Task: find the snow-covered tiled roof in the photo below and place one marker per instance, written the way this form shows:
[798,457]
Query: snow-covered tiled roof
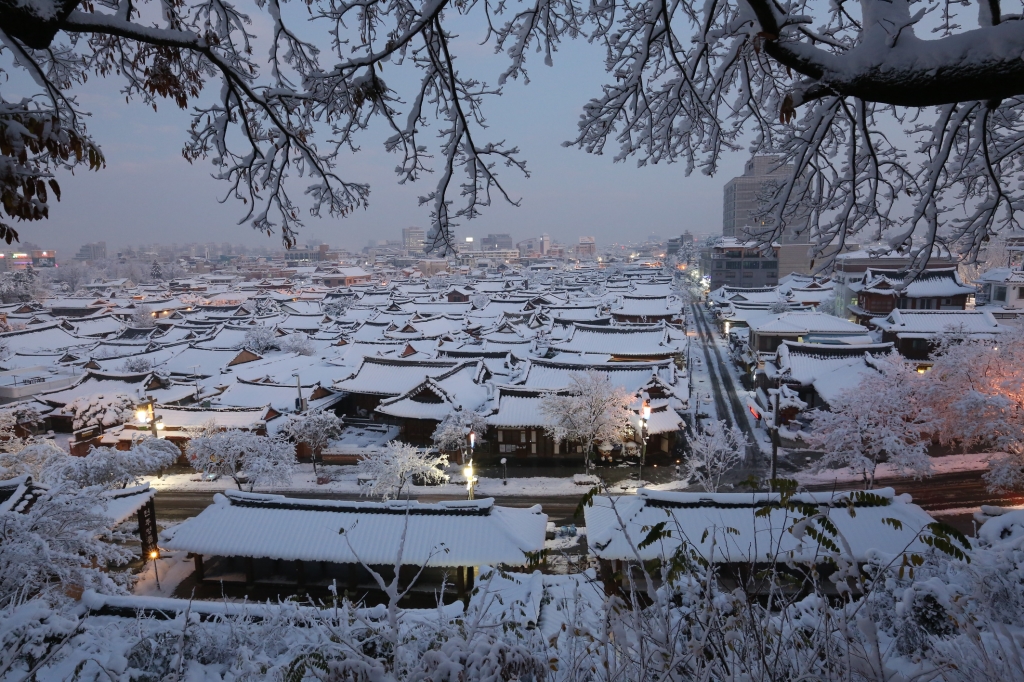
[932,322]
[391,376]
[443,534]
[622,341]
[736,534]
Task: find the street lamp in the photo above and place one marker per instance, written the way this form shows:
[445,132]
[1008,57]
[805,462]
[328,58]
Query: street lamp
[504,471]
[146,415]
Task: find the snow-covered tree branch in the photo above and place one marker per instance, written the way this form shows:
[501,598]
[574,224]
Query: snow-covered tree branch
[825,88]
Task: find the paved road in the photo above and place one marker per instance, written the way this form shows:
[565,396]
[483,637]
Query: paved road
[727,399]
[174,506]
[943,492]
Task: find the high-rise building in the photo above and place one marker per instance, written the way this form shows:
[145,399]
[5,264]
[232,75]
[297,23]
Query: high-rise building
[741,194]
[94,251]
[587,248]
[741,203]
[497,242]
[413,239]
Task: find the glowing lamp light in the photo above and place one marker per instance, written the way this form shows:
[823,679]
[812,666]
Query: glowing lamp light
[472,439]
[141,415]
[468,473]
[154,555]
[646,411]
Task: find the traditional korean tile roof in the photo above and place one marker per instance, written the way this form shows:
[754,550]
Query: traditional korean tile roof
[443,534]
[724,528]
[931,323]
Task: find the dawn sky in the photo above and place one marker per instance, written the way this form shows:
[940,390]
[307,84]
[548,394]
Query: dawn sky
[149,193]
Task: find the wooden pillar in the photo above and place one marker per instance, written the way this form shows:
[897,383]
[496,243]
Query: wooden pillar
[470,575]
[250,570]
[350,574]
[199,567]
[300,572]
[460,582]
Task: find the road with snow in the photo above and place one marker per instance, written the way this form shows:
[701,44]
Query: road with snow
[728,403]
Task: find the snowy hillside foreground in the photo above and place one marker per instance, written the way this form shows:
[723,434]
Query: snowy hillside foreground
[926,616]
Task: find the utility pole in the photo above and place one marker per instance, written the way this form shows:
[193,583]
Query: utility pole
[774,433]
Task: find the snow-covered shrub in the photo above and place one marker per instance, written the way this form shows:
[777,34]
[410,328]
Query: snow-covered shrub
[36,459]
[113,468]
[397,465]
[99,409]
[713,452]
[243,456]
[260,339]
[136,365]
[299,343]
[479,301]
[56,543]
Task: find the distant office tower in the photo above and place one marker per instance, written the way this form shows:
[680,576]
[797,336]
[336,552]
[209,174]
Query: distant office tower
[741,203]
[412,239]
[741,193]
[587,248]
[94,251]
[497,242]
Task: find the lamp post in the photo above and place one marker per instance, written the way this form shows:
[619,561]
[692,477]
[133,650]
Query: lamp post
[774,432]
[504,471]
[153,556]
[645,415]
[298,387]
[468,460]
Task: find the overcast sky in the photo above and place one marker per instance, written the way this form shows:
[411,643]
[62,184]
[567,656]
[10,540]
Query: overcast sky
[149,193]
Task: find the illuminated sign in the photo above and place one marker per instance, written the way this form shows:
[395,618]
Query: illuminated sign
[753,412]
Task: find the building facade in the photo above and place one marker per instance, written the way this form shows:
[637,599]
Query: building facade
[94,251]
[497,242]
[413,239]
[739,264]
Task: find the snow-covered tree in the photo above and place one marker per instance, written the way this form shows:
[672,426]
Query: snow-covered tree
[260,338]
[101,409]
[58,543]
[156,273]
[590,409]
[713,452]
[143,317]
[298,343]
[880,420]
[479,301]
[243,456]
[450,434]
[315,429]
[823,88]
[976,393]
[393,467]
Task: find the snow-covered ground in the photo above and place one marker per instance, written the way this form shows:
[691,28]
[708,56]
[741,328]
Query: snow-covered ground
[948,464]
